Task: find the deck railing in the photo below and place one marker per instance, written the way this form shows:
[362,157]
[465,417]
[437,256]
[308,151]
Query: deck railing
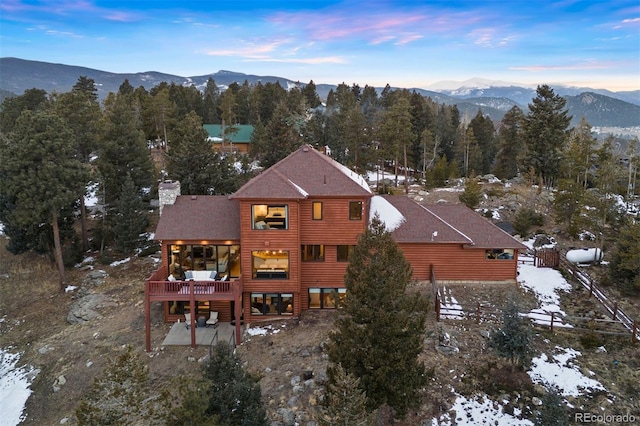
[159,287]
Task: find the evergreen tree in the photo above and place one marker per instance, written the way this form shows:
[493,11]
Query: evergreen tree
[211,102]
[233,395]
[567,204]
[81,112]
[513,339]
[129,218]
[194,163]
[122,149]
[311,96]
[41,175]
[484,134]
[472,193]
[119,396]
[379,337]
[624,266]
[281,136]
[510,144]
[345,402]
[545,134]
[12,107]
[552,412]
[395,133]
[578,157]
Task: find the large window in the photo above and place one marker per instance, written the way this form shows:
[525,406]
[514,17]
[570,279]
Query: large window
[503,254]
[316,210]
[224,259]
[326,298]
[355,210]
[271,304]
[344,252]
[270,264]
[267,216]
[312,252]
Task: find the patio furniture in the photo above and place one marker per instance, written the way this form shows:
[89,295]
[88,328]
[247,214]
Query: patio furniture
[213,319]
[202,322]
[187,320]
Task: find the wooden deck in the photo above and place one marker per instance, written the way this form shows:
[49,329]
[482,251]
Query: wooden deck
[158,289]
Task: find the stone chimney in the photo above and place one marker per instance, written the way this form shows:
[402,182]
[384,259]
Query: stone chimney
[168,191]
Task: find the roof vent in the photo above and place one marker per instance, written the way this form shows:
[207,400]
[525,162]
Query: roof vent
[305,148]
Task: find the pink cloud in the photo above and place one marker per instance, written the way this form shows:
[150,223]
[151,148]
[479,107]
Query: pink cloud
[591,65]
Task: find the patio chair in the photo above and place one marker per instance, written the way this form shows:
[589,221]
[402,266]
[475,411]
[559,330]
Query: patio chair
[187,320]
[213,319]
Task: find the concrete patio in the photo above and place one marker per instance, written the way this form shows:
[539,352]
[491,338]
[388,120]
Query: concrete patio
[180,336]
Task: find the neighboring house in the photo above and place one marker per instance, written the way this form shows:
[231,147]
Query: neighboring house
[238,141]
[280,244]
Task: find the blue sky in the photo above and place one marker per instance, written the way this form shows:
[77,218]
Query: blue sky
[404,43]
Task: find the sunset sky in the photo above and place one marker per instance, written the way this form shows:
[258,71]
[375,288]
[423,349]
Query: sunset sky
[404,43]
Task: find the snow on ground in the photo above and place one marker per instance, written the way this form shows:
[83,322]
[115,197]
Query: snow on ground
[562,372]
[449,303]
[14,388]
[263,331]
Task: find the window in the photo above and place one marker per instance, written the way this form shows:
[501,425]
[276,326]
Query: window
[224,259]
[312,253]
[499,254]
[326,298]
[266,216]
[271,304]
[344,252]
[316,210]
[355,210]
[270,264]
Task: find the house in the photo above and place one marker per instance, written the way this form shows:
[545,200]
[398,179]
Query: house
[280,245]
[235,141]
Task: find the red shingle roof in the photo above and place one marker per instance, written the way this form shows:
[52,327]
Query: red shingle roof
[305,172]
[440,223]
[200,217]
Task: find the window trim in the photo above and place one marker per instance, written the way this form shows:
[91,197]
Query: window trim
[265,307]
[317,252]
[352,210]
[265,222]
[350,248]
[322,291]
[499,254]
[275,273]
[314,211]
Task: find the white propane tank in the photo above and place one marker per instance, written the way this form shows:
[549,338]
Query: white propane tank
[585,255]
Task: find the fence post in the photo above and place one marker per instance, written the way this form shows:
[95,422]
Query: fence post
[437,307]
[477,312]
[615,310]
[552,317]
[634,332]
[590,287]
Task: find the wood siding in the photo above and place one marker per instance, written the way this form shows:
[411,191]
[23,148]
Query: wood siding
[335,227]
[453,262]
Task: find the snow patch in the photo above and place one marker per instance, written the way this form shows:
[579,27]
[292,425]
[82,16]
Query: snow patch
[389,215]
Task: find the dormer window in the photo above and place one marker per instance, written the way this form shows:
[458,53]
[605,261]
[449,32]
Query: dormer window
[268,216]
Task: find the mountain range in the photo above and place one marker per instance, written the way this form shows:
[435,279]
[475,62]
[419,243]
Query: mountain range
[601,108]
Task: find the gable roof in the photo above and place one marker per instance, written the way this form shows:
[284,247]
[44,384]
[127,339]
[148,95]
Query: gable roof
[243,135]
[447,223]
[200,217]
[305,173]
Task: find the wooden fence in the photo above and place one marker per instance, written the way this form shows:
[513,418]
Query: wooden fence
[619,323]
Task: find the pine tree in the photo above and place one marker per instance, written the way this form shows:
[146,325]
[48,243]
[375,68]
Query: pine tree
[472,193]
[379,338]
[567,204]
[41,175]
[510,144]
[119,396]
[345,403]
[624,266]
[545,134]
[129,218]
[233,395]
[552,412]
[513,339]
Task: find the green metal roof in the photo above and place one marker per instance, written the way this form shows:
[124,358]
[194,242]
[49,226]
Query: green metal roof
[243,135]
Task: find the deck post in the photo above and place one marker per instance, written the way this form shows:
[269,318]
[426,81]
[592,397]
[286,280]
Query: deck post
[192,303]
[237,314]
[147,317]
